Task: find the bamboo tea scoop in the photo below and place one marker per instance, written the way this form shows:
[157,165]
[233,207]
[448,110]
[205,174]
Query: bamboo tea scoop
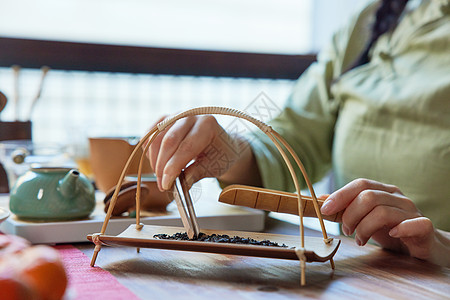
[272,200]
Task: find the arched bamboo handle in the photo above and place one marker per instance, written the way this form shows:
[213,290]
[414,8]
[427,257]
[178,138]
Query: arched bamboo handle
[272,200]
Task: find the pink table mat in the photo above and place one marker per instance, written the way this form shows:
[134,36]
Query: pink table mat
[86,282]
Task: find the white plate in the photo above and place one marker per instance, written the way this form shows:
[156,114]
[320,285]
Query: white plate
[4,214]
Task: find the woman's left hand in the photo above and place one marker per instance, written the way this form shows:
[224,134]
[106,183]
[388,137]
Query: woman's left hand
[381,212]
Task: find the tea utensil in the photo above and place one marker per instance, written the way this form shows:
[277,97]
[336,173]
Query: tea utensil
[184,201]
[273,200]
[138,235]
[16,72]
[44,70]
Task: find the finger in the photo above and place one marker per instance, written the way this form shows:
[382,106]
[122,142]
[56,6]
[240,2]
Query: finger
[200,169]
[365,202]
[194,143]
[152,153]
[340,199]
[418,235]
[194,172]
[169,144]
[418,227]
[379,219]
[217,157]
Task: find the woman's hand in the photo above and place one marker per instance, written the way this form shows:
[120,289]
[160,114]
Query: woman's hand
[212,151]
[381,212]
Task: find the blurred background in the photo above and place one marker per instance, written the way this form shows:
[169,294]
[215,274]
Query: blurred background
[80,97]
[96,68]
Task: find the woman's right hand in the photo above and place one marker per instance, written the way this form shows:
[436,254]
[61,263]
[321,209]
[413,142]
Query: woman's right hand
[380,211]
[199,139]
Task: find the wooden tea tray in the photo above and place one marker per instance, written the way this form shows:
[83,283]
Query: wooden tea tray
[143,238]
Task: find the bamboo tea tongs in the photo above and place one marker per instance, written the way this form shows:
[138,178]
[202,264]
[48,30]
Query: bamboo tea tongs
[184,201]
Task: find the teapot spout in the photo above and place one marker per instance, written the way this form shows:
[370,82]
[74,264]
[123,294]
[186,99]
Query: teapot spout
[68,185]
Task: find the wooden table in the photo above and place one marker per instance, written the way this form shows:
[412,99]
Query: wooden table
[368,272]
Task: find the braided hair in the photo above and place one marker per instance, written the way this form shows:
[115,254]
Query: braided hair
[386,19]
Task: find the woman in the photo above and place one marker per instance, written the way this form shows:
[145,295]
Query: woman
[375,105]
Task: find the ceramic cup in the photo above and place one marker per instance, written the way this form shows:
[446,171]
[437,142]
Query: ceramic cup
[108,156]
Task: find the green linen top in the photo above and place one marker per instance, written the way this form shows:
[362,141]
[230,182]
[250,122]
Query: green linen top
[388,120]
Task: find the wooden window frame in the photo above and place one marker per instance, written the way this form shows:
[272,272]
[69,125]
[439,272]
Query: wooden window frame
[31,53]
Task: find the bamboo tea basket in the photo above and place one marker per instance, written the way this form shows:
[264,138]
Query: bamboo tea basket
[304,249]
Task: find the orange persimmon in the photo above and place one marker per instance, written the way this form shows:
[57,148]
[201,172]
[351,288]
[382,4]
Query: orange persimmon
[30,272]
[12,288]
[42,268]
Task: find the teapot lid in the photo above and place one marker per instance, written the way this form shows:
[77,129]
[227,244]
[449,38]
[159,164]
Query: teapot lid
[40,169]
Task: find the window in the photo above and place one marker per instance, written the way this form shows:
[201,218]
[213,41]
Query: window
[271,26]
[267,26]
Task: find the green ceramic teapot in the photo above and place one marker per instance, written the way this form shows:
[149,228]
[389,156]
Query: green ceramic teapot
[52,194]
